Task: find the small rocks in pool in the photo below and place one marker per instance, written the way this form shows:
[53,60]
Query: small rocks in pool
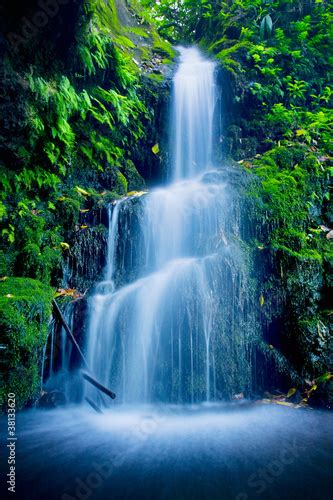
[238,396]
[52,399]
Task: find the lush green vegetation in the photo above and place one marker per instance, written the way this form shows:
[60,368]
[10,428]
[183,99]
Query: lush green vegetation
[25,312]
[69,128]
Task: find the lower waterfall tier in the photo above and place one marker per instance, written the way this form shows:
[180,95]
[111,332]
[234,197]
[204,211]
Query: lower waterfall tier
[182,329]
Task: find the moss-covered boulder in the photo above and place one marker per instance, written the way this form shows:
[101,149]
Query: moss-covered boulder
[134,179]
[25,311]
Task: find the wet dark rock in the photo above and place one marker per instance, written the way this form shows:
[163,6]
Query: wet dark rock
[52,399]
[296,398]
[88,257]
[322,397]
[134,179]
[230,173]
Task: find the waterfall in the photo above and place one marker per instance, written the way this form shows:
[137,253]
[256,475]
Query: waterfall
[193,108]
[58,352]
[172,322]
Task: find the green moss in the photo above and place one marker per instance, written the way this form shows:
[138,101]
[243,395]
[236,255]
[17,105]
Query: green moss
[291,195]
[25,311]
[161,46]
[139,31]
[145,53]
[225,56]
[39,254]
[121,184]
[111,196]
[68,209]
[134,180]
[155,77]
[291,187]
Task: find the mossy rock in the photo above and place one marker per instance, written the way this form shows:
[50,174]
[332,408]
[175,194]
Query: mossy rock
[25,311]
[68,211]
[285,157]
[134,179]
[121,184]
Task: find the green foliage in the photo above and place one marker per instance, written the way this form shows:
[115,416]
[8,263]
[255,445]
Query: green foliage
[78,124]
[25,311]
[293,184]
[176,20]
[226,55]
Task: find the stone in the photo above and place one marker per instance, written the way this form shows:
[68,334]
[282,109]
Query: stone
[52,399]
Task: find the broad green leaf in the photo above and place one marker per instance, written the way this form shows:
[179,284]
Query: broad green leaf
[266,27]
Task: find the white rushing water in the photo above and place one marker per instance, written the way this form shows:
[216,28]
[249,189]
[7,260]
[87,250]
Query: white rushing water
[193,108]
[163,323]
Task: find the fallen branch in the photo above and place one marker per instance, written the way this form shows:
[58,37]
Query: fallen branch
[92,404]
[98,385]
[87,377]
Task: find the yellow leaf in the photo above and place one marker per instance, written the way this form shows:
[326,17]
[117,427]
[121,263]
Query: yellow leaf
[136,193]
[300,132]
[64,245]
[261,300]
[155,149]
[284,403]
[68,292]
[313,388]
[291,392]
[4,278]
[83,227]
[85,210]
[9,295]
[82,191]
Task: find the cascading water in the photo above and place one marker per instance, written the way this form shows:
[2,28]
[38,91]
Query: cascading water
[56,375]
[192,120]
[171,320]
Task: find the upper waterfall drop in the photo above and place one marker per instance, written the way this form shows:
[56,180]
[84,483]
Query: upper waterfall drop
[192,114]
